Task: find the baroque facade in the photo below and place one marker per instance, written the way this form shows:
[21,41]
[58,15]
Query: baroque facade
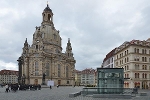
[44,58]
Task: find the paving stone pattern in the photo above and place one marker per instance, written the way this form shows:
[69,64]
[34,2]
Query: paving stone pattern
[61,93]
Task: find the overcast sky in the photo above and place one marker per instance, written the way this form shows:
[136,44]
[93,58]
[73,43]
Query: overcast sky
[94,27]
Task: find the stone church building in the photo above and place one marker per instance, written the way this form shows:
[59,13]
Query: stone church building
[44,61]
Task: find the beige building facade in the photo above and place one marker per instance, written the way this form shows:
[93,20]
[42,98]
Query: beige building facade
[134,57]
[88,77]
[8,76]
[44,58]
[77,77]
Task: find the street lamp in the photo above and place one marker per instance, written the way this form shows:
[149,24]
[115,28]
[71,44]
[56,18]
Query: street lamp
[20,62]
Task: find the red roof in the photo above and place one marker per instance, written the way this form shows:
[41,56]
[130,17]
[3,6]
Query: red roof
[8,72]
[110,54]
[88,71]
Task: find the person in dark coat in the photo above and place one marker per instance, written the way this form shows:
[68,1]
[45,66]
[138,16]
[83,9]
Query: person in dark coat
[57,86]
[39,87]
[6,86]
[50,87]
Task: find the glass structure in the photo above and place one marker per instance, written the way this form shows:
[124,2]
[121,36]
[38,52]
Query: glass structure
[110,80]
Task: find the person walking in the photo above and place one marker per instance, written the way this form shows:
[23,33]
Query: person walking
[50,87]
[57,86]
[6,86]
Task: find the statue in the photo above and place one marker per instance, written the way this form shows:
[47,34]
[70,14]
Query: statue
[43,79]
[44,76]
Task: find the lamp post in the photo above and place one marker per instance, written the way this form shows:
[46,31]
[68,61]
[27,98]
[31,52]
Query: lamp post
[20,62]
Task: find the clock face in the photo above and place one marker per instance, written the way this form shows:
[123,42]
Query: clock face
[37,41]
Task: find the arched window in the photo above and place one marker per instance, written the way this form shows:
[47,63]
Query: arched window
[127,59]
[135,75]
[145,51]
[47,69]
[137,66]
[127,67]
[59,70]
[143,67]
[145,59]
[134,50]
[143,75]
[36,69]
[142,51]
[49,17]
[127,51]
[67,71]
[127,75]
[137,50]
[138,75]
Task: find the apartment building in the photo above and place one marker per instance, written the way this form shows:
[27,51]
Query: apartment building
[8,76]
[88,76]
[134,57]
[108,61]
[77,77]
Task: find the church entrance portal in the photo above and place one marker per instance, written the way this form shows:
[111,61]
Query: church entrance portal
[59,82]
[36,81]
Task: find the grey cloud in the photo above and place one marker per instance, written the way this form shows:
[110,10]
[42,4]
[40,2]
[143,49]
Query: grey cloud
[94,27]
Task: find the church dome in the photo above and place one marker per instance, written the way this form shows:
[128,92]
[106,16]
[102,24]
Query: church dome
[47,8]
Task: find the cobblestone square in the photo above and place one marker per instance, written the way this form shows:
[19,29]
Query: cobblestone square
[61,93]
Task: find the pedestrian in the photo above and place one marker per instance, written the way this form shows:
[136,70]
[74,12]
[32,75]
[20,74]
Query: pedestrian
[6,86]
[57,86]
[50,87]
[39,87]
[9,87]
